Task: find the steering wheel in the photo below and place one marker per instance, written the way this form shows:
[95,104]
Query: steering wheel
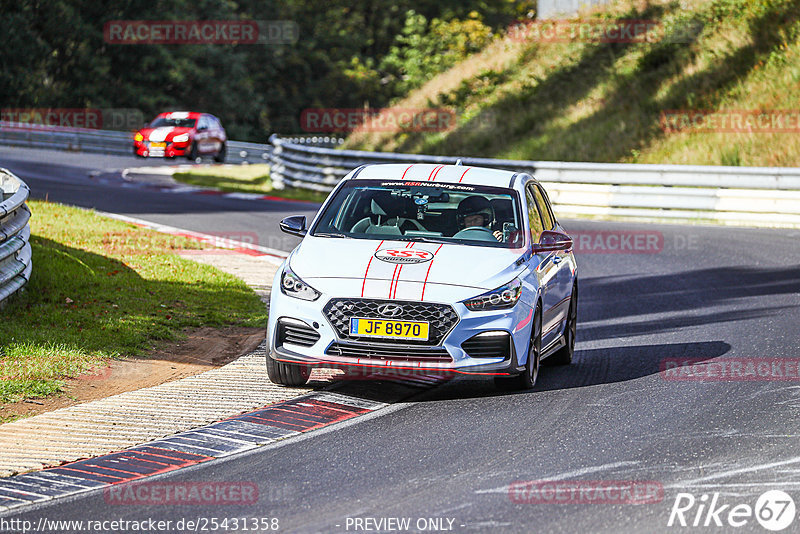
[481,233]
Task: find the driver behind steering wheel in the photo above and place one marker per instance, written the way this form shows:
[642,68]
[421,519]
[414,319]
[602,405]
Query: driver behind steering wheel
[476,211]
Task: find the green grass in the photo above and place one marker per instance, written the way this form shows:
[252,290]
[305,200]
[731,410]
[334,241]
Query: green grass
[244,179]
[102,289]
[603,102]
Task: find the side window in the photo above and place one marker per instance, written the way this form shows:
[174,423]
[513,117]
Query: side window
[533,217]
[544,208]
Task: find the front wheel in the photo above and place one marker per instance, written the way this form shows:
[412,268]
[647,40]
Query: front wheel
[193,155]
[527,379]
[287,374]
[564,355]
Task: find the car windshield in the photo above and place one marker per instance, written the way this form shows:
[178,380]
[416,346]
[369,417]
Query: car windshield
[444,213]
[165,122]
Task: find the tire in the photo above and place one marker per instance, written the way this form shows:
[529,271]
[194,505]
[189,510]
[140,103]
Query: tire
[564,355]
[287,374]
[193,155]
[526,379]
[220,156]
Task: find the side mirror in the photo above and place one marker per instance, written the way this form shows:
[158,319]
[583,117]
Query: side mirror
[202,128]
[294,225]
[551,241]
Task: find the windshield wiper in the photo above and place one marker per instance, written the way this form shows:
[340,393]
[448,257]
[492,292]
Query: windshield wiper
[329,234]
[422,238]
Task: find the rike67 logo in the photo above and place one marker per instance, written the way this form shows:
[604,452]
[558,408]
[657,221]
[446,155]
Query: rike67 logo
[774,510]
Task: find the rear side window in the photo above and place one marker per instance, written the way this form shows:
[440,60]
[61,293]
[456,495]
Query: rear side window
[534,218]
[544,208]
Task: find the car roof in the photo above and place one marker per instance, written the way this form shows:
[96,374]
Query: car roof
[182,114]
[431,172]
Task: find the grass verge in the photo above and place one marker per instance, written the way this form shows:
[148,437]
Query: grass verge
[101,289]
[244,179]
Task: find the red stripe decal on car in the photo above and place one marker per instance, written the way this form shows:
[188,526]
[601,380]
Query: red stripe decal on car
[396,281]
[404,172]
[430,264]
[364,283]
[437,172]
[462,176]
[435,169]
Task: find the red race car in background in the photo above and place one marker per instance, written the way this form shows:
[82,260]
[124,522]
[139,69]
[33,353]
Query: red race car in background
[181,133]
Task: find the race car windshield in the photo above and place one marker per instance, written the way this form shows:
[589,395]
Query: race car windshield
[443,213]
[163,122]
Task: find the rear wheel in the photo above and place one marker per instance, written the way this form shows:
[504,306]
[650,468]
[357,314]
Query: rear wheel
[527,379]
[220,157]
[287,374]
[564,355]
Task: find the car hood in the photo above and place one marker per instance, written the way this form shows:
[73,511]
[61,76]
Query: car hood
[165,133]
[354,267]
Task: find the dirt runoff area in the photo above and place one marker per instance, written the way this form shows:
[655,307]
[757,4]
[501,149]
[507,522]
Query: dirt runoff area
[201,350]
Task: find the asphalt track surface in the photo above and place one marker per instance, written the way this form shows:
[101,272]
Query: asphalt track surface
[453,451]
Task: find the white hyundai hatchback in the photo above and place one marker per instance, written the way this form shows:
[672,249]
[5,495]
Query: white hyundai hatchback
[440,269]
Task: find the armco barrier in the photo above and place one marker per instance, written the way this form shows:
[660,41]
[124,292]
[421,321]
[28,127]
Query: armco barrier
[727,195]
[107,142]
[15,250]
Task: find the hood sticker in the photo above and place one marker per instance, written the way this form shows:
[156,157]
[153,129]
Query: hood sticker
[403,256]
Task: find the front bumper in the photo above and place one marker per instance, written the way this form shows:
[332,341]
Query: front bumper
[170,150]
[446,358]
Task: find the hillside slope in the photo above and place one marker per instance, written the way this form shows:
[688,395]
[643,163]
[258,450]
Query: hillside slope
[606,102]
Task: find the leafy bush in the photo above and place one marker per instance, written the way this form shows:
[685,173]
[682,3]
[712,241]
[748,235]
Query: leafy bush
[424,49]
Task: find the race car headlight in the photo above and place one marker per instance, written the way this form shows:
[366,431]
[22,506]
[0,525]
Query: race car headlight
[293,286]
[138,137]
[497,299]
[180,138]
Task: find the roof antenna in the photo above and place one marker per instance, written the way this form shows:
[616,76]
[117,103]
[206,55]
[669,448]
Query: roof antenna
[458,162]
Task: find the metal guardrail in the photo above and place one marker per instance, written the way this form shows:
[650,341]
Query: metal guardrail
[762,196]
[15,249]
[107,142]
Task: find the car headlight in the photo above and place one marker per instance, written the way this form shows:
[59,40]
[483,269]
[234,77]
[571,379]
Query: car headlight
[138,137]
[180,138]
[293,286]
[498,299]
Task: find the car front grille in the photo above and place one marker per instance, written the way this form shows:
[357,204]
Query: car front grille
[493,345]
[389,352]
[440,317]
[296,333]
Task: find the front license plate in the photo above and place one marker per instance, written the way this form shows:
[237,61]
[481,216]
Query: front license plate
[388,329]
[158,145]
